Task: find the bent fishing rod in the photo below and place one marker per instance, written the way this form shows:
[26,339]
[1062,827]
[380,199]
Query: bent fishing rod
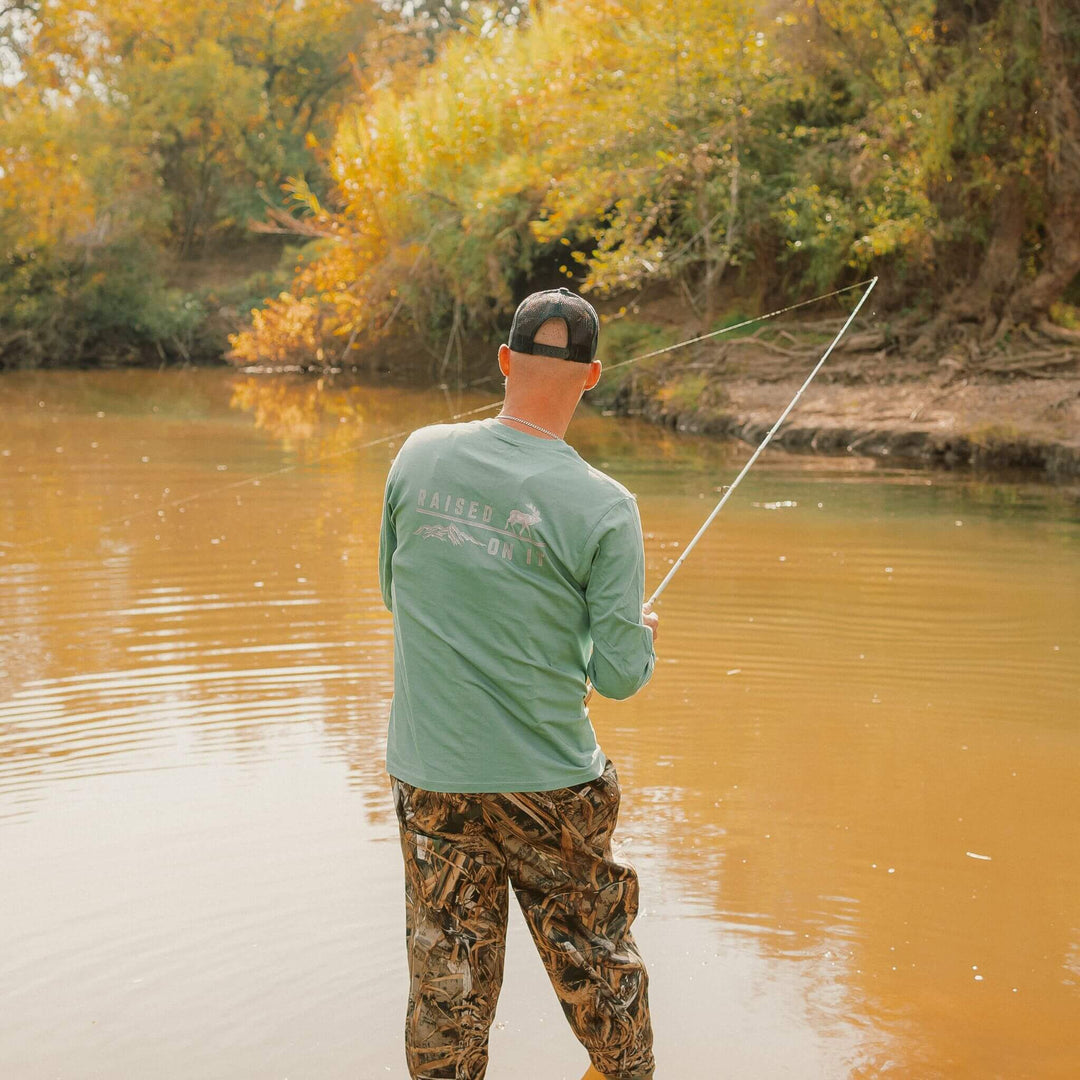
[757,453]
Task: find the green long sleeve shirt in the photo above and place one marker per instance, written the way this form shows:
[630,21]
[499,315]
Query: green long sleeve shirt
[514,571]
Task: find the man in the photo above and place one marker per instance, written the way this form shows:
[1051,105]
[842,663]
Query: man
[515,573]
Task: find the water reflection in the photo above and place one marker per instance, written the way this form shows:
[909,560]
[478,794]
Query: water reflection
[318,419]
[867,678]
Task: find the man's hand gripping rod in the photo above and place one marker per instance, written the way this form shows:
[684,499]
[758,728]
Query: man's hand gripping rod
[753,457]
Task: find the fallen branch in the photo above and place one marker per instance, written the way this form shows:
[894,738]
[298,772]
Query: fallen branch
[1058,333]
[1023,361]
[753,339]
[871,339]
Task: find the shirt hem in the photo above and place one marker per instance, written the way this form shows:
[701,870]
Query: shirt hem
[498,787]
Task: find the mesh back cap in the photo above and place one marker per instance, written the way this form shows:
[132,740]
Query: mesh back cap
[582,325]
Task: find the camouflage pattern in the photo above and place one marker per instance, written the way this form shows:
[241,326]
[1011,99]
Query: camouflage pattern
[554,847]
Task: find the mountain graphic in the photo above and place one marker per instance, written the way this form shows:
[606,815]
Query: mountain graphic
[451,534]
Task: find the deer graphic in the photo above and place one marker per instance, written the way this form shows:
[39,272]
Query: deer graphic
[524,520]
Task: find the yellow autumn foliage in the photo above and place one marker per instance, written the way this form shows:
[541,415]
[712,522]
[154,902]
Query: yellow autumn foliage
[617,143]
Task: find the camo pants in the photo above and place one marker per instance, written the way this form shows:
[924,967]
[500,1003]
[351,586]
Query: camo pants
[554,847]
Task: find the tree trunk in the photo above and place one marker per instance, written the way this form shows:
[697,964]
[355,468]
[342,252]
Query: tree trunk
[986,299]
[1061,66]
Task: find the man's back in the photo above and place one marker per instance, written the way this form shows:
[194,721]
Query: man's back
[514,570]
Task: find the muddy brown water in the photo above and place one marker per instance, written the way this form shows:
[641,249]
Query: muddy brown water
[851,789]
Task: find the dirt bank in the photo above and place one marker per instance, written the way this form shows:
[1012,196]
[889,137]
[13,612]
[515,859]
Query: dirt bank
[1012,405]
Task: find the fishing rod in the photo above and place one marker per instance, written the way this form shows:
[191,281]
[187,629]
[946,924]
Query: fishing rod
[757,453]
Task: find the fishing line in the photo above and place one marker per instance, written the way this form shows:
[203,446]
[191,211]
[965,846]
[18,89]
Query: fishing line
[761,446]
[255,481]
[739,326]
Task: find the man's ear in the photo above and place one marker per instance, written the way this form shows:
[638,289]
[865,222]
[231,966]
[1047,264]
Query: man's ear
[593,377]
[504,360]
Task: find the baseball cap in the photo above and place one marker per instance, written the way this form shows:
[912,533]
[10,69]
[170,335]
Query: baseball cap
[582,325]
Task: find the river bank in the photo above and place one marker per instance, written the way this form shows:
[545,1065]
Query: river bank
[1012,406]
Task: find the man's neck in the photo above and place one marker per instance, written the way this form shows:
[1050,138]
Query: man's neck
[552,422]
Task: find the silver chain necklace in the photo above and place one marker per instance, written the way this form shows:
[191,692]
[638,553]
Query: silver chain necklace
[527,423]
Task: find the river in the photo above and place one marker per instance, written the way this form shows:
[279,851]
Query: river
[851,788]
